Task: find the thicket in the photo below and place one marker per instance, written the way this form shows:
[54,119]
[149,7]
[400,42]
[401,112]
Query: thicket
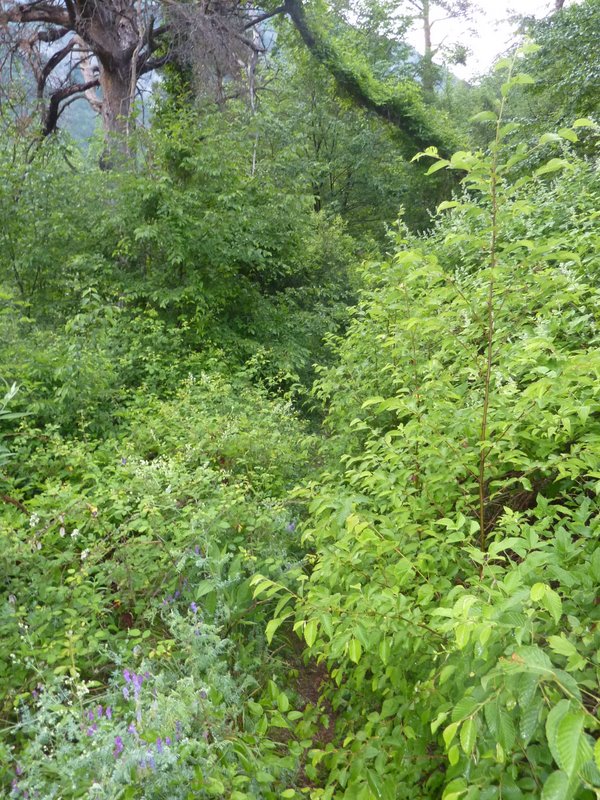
[206,595]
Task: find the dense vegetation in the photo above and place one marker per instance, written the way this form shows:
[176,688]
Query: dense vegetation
[297,498]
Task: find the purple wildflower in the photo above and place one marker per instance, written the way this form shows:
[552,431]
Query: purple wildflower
[291,527]
[108,712]
[99,711]
[203,694]
[92,729]
[131,728]
[126,693]
[118,746]
[151,761]
[123,461]
[90,714]
[197,549]
[159,745]
[18,769]
[147,675]
[127,675]
[193,608]
[167,740]
[177,594]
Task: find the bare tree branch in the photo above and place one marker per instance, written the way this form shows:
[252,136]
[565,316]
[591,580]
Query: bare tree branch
[262,17]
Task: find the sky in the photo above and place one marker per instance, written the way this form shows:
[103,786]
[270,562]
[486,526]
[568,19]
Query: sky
[492,33]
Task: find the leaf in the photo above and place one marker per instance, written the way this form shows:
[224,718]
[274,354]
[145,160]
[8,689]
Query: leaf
[385,650]
[545,138]
[354,650]
[485,116]
[554,165]
[274,624]
[556,787]
[446,204]
[463,633]
[438,721]
[560,710]
[468,735]
[437,166]
[506,729]
[572,745]
[567,133]
[455,789]
[449,733]
[310,632]
[597,753]
[529,721]
[584,122]
[562,646]
[552,603]
[454,755]
[538,590]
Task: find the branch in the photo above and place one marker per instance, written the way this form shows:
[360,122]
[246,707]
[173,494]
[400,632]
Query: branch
[146,64]
[36,12]
[401,106]
[263,17]
[62,94]
[51,34]
[52,63]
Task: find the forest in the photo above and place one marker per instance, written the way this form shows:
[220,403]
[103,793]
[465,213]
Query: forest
[299,402]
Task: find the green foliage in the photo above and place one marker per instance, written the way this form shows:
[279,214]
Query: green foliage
[137,553]
[452,590]
[6,415]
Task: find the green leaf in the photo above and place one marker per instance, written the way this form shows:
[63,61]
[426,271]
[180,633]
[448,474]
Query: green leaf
[560,710]
[455,789]
[437,166]
[274,624]
[449,733]
[454,755]
[530,720]
[545,138]
[485,116]
[552,603]
[571,743]
[310,632]
[354,650]
[538,590]
[385,649]
[446,204]
[554,165]
[556,787]
[597,753]
[468,735]
[567,133]
[562,646]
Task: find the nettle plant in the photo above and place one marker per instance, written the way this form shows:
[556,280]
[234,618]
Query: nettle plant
[452,592]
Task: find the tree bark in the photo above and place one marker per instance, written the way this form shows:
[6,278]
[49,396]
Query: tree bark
[427,66]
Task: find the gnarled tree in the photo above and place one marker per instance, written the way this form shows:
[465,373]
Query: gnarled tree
[99,49]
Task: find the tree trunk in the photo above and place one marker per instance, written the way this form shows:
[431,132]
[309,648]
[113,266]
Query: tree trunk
[116,110]
[116,99]
[427,65]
